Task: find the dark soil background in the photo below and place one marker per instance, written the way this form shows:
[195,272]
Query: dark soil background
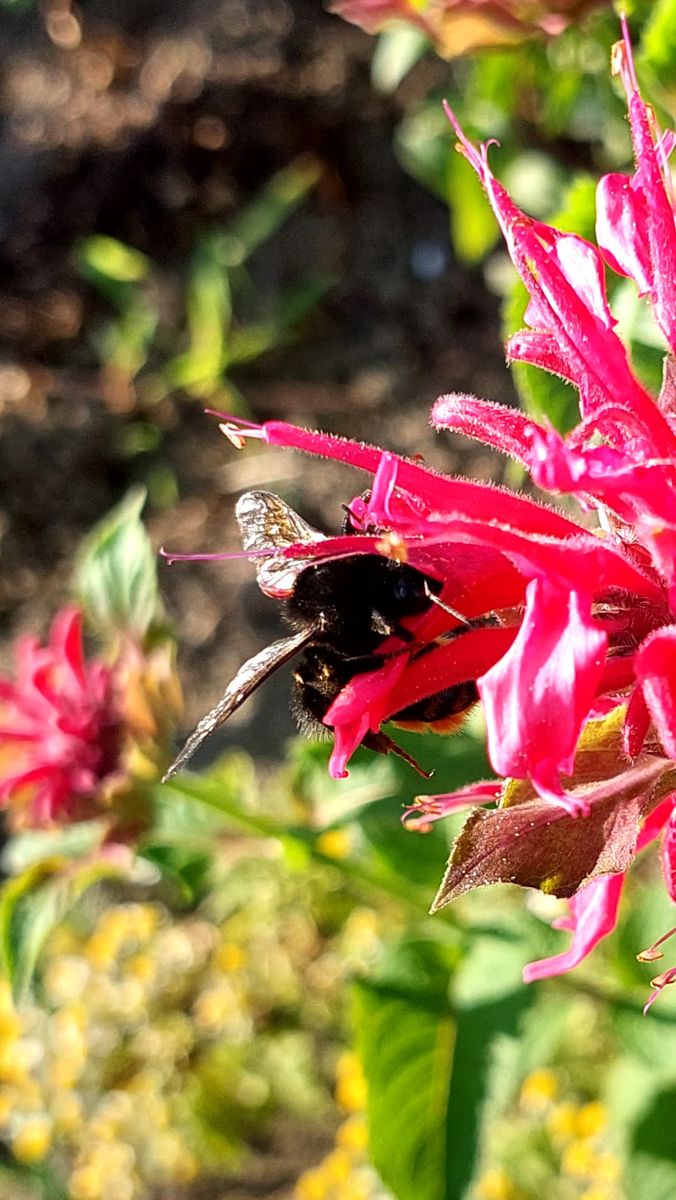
[150,121]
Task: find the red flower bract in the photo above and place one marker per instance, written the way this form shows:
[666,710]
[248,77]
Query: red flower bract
[60,732]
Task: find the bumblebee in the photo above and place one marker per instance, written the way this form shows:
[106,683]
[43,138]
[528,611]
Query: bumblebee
[341,612]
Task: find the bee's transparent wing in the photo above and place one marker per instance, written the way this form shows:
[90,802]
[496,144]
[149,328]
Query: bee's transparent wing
[250,676]
[267,522]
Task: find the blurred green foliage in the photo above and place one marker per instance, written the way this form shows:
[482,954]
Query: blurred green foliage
[223,320]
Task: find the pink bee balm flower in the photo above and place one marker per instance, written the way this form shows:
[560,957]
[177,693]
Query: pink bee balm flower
[620,461]
[60,728]
[568,633]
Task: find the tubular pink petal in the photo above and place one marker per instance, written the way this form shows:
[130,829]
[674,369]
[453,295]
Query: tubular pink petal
[62,722]
[426,809]
[541,350]
[660,229]
[536,698]
[653,181]
[636,724]
[367,692]
[359,708]
[613,477]
[507,429]
[66,643]
[440,492]
[563,561]
[23,779]
[593,915]
[582,266]
[347,738]
[382,491]
[654,823]
[462,659]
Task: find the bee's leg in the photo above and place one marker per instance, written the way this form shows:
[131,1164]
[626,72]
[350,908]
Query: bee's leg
[383,744]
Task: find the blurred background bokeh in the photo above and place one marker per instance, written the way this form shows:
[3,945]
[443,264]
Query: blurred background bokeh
[254,206]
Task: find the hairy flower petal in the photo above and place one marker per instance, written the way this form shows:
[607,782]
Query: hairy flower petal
[438,492]
[507,429]
[620,229]
[656,671]
[636,491]
[360,707]
[636,725]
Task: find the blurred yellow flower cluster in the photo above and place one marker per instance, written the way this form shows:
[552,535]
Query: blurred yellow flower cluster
[156,1043]
[98,1078]
[568,1157]
[345,1173]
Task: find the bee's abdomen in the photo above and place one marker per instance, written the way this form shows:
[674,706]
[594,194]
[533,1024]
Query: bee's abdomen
[319,677]
[441,712]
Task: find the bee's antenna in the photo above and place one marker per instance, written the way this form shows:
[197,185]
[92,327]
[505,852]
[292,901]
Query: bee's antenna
[452,612]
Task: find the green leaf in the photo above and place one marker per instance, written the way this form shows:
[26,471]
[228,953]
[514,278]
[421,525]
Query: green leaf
[33,903]
[116,572]
[406,1048]
[658,43]
[650,1178]
[270,208]
[424,145]
[35,845]
[209,312]
[187,870]
[642,1104]
[474,230]
[248,342]
[124,342]
[650,1172]
[418,857]
[397,50]
[533,845]
[542,395]
[429,1074]
[482,1034]
[101,257]
[37,1181]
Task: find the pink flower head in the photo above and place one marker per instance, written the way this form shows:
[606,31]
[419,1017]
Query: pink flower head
[620,462]
[60,728]
[569,633]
